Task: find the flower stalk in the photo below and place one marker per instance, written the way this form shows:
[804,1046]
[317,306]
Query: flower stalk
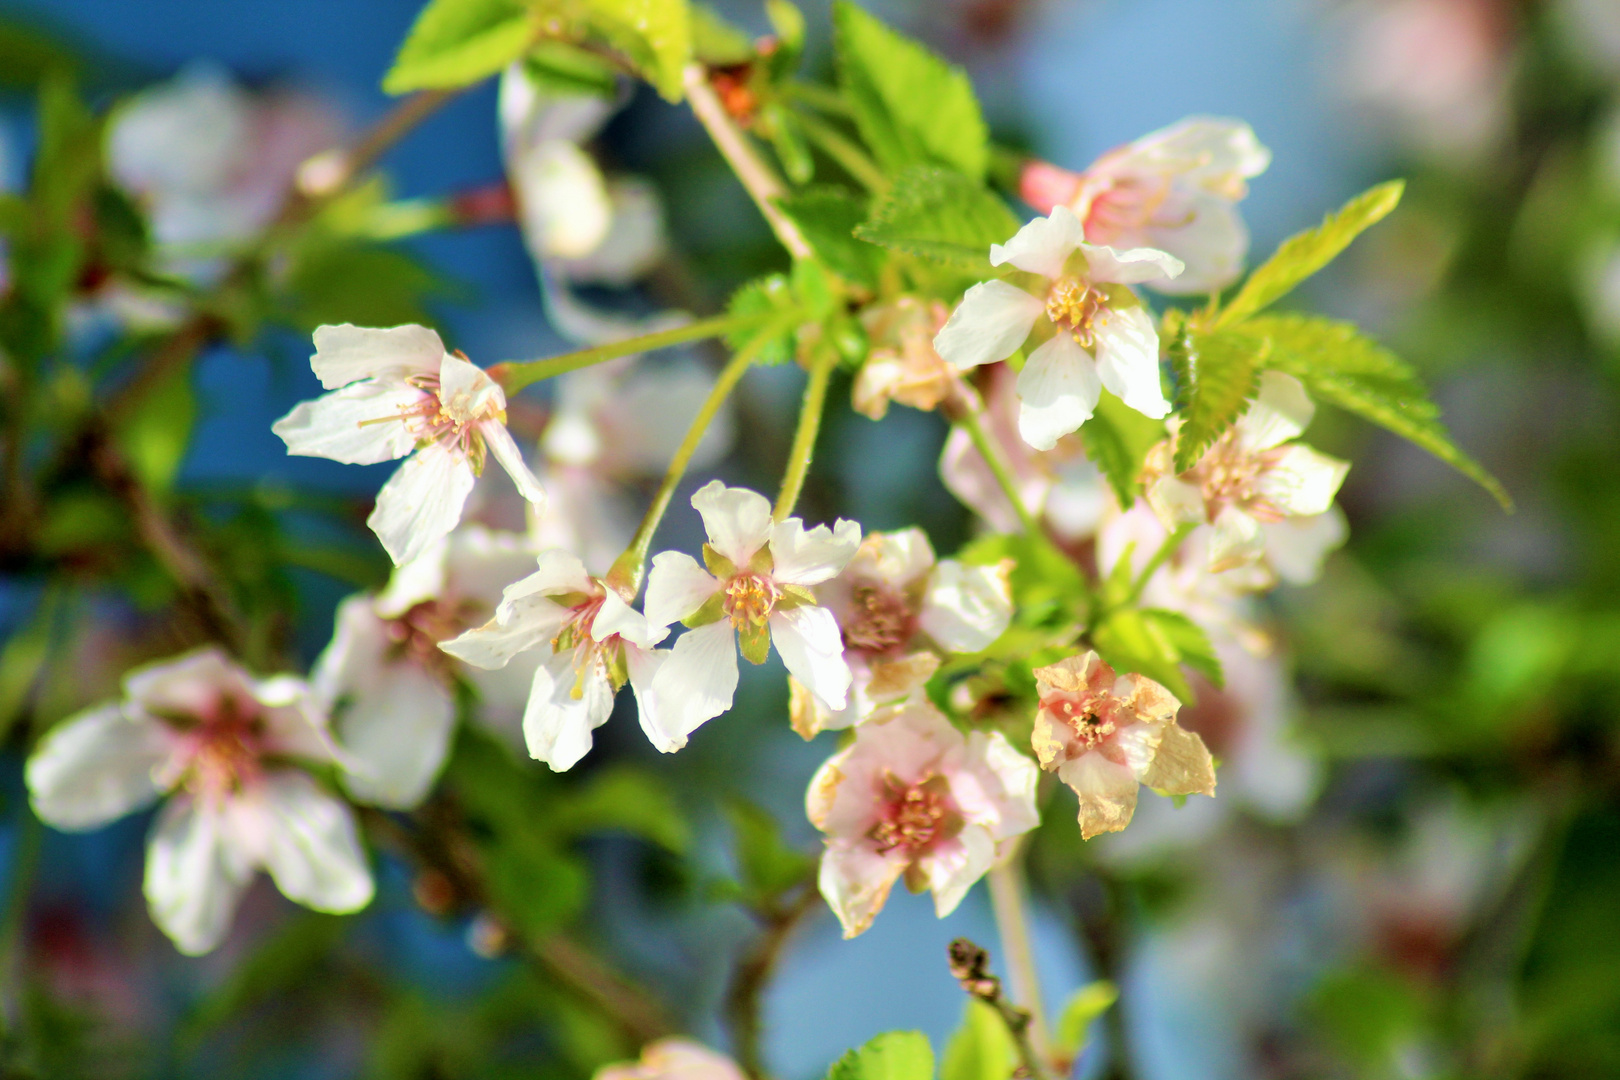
[1012,924]
[804,437]
[968,417]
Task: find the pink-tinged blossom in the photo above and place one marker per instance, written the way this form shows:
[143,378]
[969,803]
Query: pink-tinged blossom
[914,798]
[387,685]
[674,1059]
[224,747]
[1176,190]
[396,393]
[903,365]
[1266,498]
[588,642]
[756,592]
[900,612]
[1101,334]
[1060,486]
[1104,735]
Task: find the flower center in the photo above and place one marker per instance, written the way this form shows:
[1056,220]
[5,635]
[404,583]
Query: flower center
[451,422]
[1084,716]
[881,619]
[590,654]
[1227,476]
[1077,306]
[914,816]
[225,753]
[749,599]
[417,633]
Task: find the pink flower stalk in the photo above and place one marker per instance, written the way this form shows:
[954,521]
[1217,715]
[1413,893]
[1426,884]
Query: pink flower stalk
[1105,734]
[913,798]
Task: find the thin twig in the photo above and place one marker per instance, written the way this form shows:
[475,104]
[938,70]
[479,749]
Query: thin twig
[514,375]
[744,997]
[804,437]
[757,177]
[970,965]
[1012,922]
[968,412]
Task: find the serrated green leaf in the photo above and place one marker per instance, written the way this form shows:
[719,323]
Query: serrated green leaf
[458,42]
[655,34]
[894,1055]
[1189,644]
[1083,1006]
[827,216]
[1340,364]
[981,1049]
[911,107]
[942,215]
[1304,254]
[763,296]
[1217,375]
[1117,439]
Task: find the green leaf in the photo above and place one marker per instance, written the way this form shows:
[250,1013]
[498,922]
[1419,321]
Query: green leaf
[894,1055]
[827,216]
[1338,363]
[23,657]
[629,800]
[942,215]
[1117,439]
[1083,1006]
[911,107]
[1188,643]
[459,42]
[761,296]
[1304,254]
[155,436]
[1131,641]
[560,68]
[981,1049]
[341,280]
[1217,375]
[767,864]
[715,41]
[655,34]
[29,55]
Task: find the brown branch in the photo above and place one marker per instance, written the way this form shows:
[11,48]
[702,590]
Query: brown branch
[970,966]
[744,997]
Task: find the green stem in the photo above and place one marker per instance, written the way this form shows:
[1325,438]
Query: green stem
[626,574]
[1012,923]
[24,864]
[804,439]
[1160,557]
[969,419]
[844,150]
[514,375]
[818,97]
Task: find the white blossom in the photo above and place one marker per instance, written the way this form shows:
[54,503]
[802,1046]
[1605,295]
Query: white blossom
[223,747]
[755,593]
[1102,335]
[397,393]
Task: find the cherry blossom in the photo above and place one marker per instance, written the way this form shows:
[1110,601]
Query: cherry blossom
[1265,497]
[388,686]
[1104,735]
[396,393]
[899,611]
[903,365]
[755,592]
[589,643]
[674,1059]
[914,798]
[224,747]
[1176,189]
[1101,334]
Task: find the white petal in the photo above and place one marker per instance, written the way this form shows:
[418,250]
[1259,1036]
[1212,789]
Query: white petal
[1236,540]
[1302,482]
[695,684]
[421,502]
[1208,236]
[557,572]
[1130,267]
[1297,546]
[894,558]
[95,767]
[738,521]
[347,353]
[855,881]
[617,617]
[644,665]
[1009,779]
[1281,411]
[989,324]
[395,735]
[422,578]
[1043,245]
[466,392]
[1128,361]
[1058,390]
[808,641]
[566,211]
[312,849]
[953,867]
[481,563]
[966,607]
[193,880]
[557,725]
[506,452]
[810,556]
[187,685]
[355,656]
[676,587]
[353,425]
[493,645]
